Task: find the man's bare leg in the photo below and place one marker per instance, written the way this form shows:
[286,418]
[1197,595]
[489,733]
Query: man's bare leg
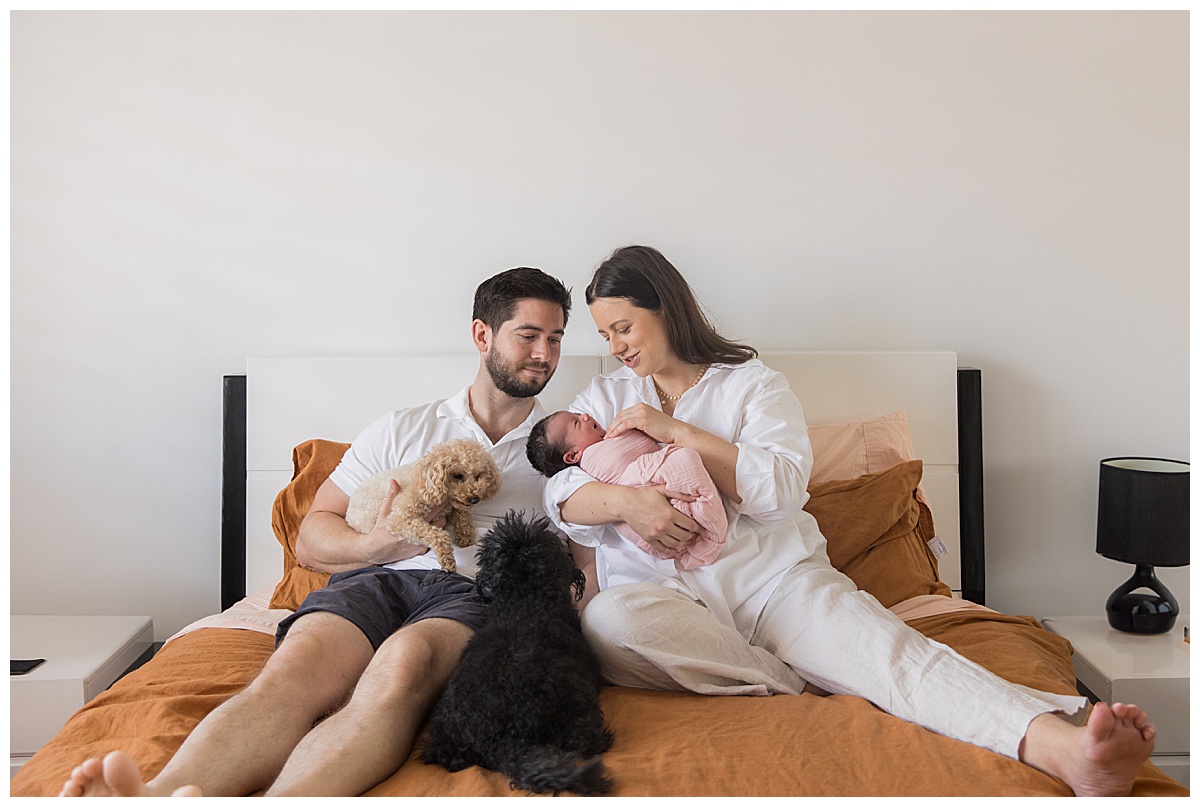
[243,744]
[365,742]
[1101,758]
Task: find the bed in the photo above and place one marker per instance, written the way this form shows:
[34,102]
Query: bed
[898,491]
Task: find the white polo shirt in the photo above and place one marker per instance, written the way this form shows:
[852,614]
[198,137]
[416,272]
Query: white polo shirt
[404,436]
[754,408]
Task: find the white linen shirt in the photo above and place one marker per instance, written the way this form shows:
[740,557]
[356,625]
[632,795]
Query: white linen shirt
[406,435]
[754,408]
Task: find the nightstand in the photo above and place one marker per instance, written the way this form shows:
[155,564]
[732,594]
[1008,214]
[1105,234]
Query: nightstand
[84,656]
[1151,671]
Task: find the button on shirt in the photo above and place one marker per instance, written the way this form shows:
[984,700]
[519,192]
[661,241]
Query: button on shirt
[404,436]
[754,408]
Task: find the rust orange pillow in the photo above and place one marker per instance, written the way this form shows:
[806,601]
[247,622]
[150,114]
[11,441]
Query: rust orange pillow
[877,528]
[312,463]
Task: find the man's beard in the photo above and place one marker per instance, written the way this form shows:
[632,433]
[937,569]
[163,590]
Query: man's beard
[504,376]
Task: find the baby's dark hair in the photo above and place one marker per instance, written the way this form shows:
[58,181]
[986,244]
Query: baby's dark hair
[546,458]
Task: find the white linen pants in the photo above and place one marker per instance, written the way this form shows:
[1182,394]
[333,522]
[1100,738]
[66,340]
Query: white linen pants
[816,627]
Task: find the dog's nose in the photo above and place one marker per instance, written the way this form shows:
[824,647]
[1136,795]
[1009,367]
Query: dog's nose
[474,500]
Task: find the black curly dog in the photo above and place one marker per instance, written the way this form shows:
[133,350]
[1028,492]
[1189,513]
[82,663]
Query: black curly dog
[525,697]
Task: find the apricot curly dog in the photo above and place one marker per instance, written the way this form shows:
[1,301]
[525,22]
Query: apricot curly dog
[453,476]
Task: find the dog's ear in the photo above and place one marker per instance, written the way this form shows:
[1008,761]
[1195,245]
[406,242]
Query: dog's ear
[430,482]
[578,584]
[496,482]
[488,465]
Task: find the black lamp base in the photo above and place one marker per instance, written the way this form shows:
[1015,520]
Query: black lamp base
[1140,612]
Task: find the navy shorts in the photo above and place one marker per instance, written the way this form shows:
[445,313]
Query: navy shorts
[380,601]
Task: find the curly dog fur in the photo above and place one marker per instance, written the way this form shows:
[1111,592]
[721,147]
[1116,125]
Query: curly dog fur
[525,698]
[458,473]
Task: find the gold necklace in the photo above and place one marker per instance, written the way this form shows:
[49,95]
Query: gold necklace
[665,399]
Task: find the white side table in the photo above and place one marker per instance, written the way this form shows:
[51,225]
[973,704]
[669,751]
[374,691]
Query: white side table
[1151,671]
[84,655]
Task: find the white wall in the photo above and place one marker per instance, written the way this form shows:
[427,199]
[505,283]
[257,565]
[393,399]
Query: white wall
[189,189]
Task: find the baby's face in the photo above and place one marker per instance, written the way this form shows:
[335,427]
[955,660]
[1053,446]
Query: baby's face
[575,432]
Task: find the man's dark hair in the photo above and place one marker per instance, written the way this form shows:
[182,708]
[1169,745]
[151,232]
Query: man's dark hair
[546,458]
[497,297]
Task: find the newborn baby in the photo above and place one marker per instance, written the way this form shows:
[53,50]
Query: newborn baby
[633,458]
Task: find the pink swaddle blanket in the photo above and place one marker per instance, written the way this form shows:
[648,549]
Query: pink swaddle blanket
[632,458]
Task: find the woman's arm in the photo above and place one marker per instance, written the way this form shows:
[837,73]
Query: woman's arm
[775,455]
[720,456]
[647,511]
[764,470]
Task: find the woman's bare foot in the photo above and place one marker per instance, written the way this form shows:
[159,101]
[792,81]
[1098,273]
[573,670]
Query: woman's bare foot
[1101,758]
[115,775]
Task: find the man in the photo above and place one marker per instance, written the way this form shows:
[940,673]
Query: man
[383,661]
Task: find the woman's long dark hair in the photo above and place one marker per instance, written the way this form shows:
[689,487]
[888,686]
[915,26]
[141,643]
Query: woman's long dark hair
[644,277]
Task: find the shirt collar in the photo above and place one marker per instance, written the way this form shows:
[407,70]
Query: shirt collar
[458,408]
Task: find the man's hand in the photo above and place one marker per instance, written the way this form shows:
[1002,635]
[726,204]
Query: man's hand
[386,548]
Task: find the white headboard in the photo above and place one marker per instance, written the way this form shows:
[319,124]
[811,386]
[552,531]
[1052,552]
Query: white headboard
[290,400]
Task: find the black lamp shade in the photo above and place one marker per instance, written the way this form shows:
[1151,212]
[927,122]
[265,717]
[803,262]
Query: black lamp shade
[1144,511]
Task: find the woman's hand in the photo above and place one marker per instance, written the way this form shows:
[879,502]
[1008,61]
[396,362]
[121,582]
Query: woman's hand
[649,513]
[659,426]
[719,456]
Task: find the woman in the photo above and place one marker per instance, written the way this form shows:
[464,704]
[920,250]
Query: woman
[771,614]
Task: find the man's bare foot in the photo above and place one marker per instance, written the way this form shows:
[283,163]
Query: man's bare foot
[115,775]
[1101,758]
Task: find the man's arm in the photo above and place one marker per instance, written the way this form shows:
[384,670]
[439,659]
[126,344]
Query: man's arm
[327,543]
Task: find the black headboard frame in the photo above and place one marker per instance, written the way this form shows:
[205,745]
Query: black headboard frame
[970,487]
[970,482]
[233,491]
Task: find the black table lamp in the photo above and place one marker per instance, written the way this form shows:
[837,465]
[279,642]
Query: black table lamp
[1143,520]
